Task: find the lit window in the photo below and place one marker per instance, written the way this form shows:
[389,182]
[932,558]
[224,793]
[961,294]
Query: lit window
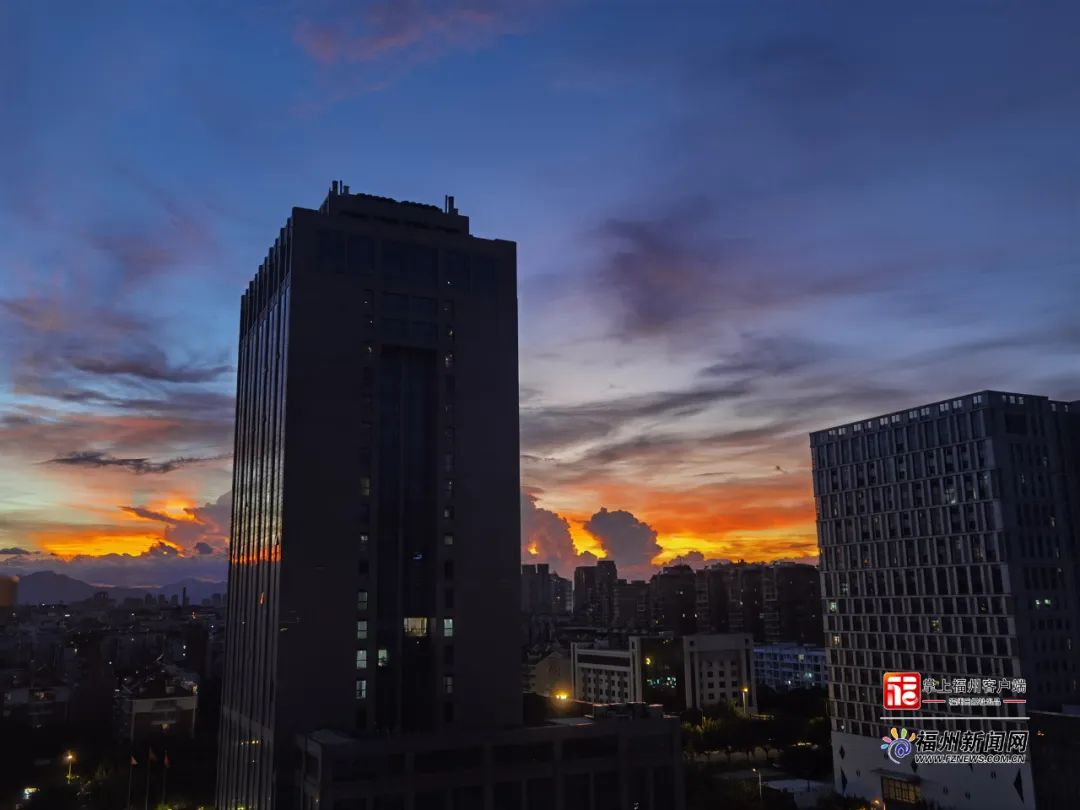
[361,630]
[415,627]
[363,541]
[384,656]
[365,487]
[448,360]
[448,628]
[361,659]
[448,684]
[448,539]
[361,600]
[361,688]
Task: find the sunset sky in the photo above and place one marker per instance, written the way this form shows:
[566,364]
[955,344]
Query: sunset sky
[736,223]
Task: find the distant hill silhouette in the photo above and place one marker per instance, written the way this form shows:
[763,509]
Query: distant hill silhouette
[50,587]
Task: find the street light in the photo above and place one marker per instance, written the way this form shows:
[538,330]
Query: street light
[745,692]
[70,759]
[758,783]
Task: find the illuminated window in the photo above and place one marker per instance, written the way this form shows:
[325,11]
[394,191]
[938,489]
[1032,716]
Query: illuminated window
[448,628]
[448,539]
[361,659]
[448,360]
[361,600]
[384,656]
[363,540]
[361,630]
[361,688]
[448,684]
[415,627]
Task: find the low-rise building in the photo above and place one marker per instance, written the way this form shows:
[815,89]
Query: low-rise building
[719,668]
[694,671]
[603,675]
[789,666]
[548,672]
[616,757]
[154,705]
[38,706]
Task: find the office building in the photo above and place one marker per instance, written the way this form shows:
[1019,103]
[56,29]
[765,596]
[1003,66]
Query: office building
[374,584]
[786,666]
[155,705]
[947,537]
[604,675]
[720,669]
[375,529]
[694,671]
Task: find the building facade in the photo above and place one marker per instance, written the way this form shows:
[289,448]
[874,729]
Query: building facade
[617,757]
[948,543]
[787,666]
[720,669]
[603,675]
[376,472]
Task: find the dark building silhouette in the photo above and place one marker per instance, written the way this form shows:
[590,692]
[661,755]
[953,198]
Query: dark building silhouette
[536,589]
[774,602]
[791,601]
[947,537]
[594,592]
[632,604]
[673,600]
[373,577]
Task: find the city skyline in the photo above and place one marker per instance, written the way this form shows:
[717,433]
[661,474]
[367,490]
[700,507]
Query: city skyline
[734,228]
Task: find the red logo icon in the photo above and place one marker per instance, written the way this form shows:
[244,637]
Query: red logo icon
[903,690]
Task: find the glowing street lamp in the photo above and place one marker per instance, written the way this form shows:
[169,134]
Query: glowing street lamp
[70,759]
[745,694]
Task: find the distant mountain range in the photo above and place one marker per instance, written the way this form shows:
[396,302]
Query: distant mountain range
[51,588]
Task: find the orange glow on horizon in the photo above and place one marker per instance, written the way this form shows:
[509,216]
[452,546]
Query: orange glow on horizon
[94,541]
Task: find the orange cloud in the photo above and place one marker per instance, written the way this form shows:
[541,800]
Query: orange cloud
[97,541]
[764,519]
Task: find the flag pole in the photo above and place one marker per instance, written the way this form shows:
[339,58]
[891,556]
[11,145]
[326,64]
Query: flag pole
[149,769]
[164,775]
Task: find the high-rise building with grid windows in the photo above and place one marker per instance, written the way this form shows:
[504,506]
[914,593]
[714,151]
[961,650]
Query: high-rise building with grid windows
[948,537]
[375,540]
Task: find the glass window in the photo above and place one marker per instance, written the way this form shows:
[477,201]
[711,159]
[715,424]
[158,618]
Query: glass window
[448,628]
[361,630]
[448,684]
[415,626]
[384,656]
[361,688]
[448,539]
[361,659]
[361,600]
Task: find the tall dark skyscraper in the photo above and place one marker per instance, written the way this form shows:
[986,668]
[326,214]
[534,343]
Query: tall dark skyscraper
[948,538]
[374,554]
